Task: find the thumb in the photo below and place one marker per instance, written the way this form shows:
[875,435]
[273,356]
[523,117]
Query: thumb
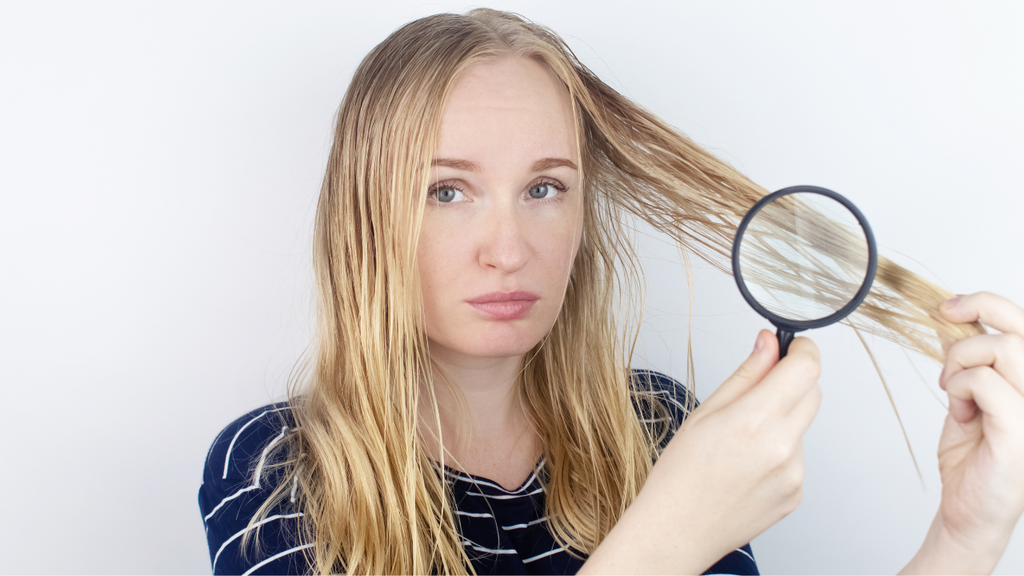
[753,369]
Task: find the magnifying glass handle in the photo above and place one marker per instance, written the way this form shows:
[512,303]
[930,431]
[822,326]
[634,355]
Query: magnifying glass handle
[785,337]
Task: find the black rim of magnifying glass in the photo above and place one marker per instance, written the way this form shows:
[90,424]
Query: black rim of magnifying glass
[800,325]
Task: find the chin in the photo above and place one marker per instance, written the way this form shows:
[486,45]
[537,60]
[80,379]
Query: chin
[500,351]
[491,343]
[499,347]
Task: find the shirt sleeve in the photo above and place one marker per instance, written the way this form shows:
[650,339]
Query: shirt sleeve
[235,484]
[677,399]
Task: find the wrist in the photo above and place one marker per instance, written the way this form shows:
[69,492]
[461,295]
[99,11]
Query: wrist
[946,552]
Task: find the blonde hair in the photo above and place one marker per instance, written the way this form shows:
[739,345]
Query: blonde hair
[371,496]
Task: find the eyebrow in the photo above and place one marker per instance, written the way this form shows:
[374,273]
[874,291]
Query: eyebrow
[538,166]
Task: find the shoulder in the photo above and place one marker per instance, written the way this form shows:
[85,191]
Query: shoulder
[237,480]
[661,403]
[243,441]
[739,561]
[668,391]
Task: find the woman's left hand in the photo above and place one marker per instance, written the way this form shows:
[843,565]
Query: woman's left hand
[981,450]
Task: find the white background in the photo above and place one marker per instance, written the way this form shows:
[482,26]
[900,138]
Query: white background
[160,163]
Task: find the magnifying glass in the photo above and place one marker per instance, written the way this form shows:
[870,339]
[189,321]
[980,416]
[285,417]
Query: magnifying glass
[804,257]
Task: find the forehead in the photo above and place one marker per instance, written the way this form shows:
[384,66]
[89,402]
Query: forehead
[504,105]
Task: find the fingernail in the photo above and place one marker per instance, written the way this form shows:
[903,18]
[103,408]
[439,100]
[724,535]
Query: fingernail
[952,302]
[759,343]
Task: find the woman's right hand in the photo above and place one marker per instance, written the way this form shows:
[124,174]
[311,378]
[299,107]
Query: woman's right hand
[734,469]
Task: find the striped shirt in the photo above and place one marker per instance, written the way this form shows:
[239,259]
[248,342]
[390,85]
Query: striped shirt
[503,531]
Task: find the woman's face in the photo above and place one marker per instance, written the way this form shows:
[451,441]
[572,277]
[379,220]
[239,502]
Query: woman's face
[504,216]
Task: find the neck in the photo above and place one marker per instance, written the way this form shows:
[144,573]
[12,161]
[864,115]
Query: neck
[492,414]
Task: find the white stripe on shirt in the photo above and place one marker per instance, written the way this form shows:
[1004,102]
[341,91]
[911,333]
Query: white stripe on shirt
[475,546]
[256,484]
[525,485]
[528,524]
[242,531]
[475,514]
[228,499]
[275,557]
[672,400]
[227,458]
[544,555]
[506,496]
[263,457]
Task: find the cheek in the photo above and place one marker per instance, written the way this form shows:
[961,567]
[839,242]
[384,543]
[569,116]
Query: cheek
[555,246]
[440,258]
[432,280]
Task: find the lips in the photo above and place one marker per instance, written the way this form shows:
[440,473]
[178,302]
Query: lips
[504,297]
[504,305]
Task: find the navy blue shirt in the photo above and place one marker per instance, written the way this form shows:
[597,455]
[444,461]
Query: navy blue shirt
[503,531]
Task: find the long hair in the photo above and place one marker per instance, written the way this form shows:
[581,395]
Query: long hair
[371,497]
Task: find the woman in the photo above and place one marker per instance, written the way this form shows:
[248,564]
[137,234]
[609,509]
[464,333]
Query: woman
[469,406]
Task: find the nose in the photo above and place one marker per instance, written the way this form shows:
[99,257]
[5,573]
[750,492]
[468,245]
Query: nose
[504,243]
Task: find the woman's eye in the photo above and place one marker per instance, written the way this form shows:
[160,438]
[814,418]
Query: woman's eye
[448,194]
[543,191]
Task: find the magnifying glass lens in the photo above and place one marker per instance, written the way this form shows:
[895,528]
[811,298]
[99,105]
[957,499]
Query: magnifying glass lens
[799,265]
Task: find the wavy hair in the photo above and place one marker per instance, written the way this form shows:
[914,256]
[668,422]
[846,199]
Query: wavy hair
[372,498]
